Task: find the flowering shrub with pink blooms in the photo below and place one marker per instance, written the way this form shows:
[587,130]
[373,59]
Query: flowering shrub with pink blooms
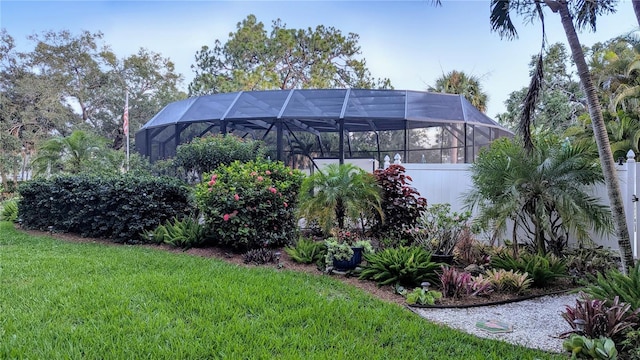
[251,205]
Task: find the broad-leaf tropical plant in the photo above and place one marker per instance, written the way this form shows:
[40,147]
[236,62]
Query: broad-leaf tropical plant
[573,14]
[339,194]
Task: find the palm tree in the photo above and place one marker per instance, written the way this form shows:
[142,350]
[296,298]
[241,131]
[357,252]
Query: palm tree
[585,14]
[71,154]
[544,192]
[338,194]
[457,82]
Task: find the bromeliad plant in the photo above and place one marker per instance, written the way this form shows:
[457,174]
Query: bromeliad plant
[307,251]
[251,205]
[543,270]
[405,265]
[600,319]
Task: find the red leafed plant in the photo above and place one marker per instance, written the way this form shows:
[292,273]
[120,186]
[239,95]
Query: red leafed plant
[601,320]
[402,204]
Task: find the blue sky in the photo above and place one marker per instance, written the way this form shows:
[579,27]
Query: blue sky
[410,42]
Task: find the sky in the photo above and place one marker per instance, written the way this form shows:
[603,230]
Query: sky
[410,42]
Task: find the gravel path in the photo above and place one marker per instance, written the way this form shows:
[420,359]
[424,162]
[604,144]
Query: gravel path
[536,322]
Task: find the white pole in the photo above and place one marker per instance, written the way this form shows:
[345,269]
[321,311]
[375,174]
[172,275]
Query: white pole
[126,130]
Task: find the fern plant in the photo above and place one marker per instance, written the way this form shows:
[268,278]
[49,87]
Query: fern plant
[408,266]
[184,233]
[9,210]
[307,251]
[614,283]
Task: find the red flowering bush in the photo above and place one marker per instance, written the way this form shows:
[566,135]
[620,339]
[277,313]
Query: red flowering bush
[251,205]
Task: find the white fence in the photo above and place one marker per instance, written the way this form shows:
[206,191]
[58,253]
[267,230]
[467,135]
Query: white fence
[448,183]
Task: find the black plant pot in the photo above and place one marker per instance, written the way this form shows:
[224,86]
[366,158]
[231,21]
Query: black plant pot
[442,258]
[350,264]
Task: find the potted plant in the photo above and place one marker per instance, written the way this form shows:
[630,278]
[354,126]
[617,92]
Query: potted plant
[439,230]
[345,250]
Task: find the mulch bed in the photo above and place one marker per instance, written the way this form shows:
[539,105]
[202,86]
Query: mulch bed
[385,293]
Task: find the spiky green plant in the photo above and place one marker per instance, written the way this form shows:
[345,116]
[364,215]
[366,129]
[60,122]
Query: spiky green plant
[543,270]
[614,283]
[405,265]
[9,210]
[306,251]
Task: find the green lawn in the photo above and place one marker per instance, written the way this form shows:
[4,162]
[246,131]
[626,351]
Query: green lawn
[62,300]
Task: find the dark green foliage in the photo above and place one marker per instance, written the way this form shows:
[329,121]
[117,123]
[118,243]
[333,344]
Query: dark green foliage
[543,270]
[583,261]
[9,210]
[402,204]
[118,208]
[307,251]
[184,233]
[600,319]
[251,205]
[206,154]
[406,265]
[259,256]
[614,283]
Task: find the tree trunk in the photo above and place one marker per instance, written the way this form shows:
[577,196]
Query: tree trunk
[636,9]
[602,139]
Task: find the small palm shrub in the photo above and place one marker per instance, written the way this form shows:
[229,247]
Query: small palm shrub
[508,280]
[9,210]
[614,283]
[307,251]
[542,270]
[251,205]
[600,319]
[405,265]
[183,233]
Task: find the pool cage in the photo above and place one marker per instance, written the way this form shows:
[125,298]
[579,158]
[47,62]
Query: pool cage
[301,125]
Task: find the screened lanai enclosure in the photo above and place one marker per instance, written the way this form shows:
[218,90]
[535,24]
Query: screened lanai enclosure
[301,125]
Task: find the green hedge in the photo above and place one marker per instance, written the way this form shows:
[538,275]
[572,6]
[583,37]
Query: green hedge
[117,208]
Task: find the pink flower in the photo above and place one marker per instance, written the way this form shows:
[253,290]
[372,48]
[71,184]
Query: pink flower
[260,178]
[285,204]
[213,180]
[236,197]
[273,190]
[226,217]
[234,213]
[268,172]
[253,173]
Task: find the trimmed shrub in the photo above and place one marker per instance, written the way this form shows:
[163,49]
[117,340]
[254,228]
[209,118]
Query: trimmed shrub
[119,208]
[251,205]
[206,154]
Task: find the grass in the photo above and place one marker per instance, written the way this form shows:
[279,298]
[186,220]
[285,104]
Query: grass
[61,300]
